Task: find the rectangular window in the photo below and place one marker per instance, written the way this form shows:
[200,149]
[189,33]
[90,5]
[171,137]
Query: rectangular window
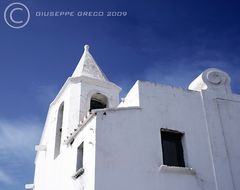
[80,157]
[172,148]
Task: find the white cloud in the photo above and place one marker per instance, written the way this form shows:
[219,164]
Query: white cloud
[17,138]
[4,178]
[17,141]
[182,72]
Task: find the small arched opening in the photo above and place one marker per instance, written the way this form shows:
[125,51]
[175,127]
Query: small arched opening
[59,130]
[98,101]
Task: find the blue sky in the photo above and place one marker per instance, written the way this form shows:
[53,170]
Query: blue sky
[169,42]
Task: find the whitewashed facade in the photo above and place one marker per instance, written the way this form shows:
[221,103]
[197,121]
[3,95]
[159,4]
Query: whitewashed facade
[123,143]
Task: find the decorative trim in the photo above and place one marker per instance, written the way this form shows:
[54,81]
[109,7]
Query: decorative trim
[88,117]
[78,173]
[211,79]
[29,186]
[40,148]
[177,170]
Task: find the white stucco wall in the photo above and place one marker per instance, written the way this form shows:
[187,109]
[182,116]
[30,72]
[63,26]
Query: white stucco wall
[132,98]
[129,155]
[57,173]
[122,145]
[229,111]
[129,151]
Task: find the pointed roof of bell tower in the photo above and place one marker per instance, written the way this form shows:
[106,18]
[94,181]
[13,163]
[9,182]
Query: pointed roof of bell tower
[87,66]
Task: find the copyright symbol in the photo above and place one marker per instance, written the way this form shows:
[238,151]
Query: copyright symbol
[16,15]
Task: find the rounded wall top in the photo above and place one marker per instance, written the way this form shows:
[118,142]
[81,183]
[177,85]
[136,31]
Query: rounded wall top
[216,77]
[211,79]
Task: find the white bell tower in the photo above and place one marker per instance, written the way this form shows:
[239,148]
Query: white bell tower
[95,90]
[88,88]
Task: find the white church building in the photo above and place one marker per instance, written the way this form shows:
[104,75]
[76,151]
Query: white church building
[157,138]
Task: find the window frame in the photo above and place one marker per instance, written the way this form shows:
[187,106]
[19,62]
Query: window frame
[80,154]
[79,167]
[176,138]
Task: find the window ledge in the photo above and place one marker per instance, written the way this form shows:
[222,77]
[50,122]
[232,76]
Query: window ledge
[176,169]
[78,173]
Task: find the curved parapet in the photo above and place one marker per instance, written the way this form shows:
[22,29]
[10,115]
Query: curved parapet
[211,79]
